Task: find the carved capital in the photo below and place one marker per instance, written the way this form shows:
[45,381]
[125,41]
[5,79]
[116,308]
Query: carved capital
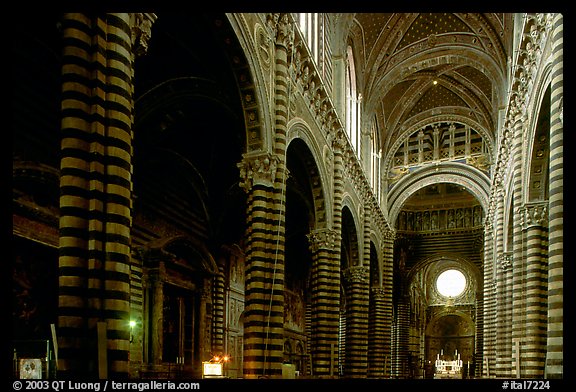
[505,261]
[280,24]
[258,169]
[534,215]
[339,141]
[141,27]
[389,234]
[328,239]
[378,293]
[356,274]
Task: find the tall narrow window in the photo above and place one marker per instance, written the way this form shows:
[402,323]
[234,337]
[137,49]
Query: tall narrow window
[315,29]
[311,27]
[353,100]
[375,160]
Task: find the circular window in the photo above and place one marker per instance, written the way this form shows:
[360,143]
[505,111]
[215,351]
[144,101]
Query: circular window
[451,283]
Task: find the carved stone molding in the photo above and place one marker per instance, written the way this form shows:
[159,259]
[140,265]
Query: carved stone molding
[263,44]
[258,169]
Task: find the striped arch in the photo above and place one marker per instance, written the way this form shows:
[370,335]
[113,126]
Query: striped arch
[250,77]
[319,178]
[467,176]
[186,248]
[351,232]
[532,138]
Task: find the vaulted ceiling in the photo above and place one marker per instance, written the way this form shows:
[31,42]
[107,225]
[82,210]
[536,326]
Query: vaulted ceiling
[415,68]
[428,74]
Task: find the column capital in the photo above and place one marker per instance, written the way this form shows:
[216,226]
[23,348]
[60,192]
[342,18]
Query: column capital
[378,293]
[141,28]
[357,273]
[505,261]
[389,234]
[534,214]
[259,169]
[280,24]
[328,239]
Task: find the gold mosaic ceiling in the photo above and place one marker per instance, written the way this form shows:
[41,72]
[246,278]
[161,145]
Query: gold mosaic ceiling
[426,67]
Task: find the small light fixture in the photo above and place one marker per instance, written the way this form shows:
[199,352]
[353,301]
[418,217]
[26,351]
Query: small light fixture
[435,82]
[132,324]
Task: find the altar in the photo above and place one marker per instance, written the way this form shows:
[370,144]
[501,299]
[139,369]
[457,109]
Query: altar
[448,368]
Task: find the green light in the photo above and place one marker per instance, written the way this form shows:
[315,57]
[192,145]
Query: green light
[132,323]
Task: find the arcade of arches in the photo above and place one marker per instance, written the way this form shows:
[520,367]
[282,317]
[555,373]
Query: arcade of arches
[310,195]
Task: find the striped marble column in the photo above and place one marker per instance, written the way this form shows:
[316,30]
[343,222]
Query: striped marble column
[264,306]
[325,300]
[507,272]
[519,260]
[555,342]
[96,194]
[218,310]
[479,330]
[534,355]
[400,363]
[503,325]
[338,144]
[377,333]
[264,281]
[501,268]
[356,282]
[488,361]
[388,283]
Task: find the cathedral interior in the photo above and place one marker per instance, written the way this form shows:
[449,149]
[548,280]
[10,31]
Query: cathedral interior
[297,195]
